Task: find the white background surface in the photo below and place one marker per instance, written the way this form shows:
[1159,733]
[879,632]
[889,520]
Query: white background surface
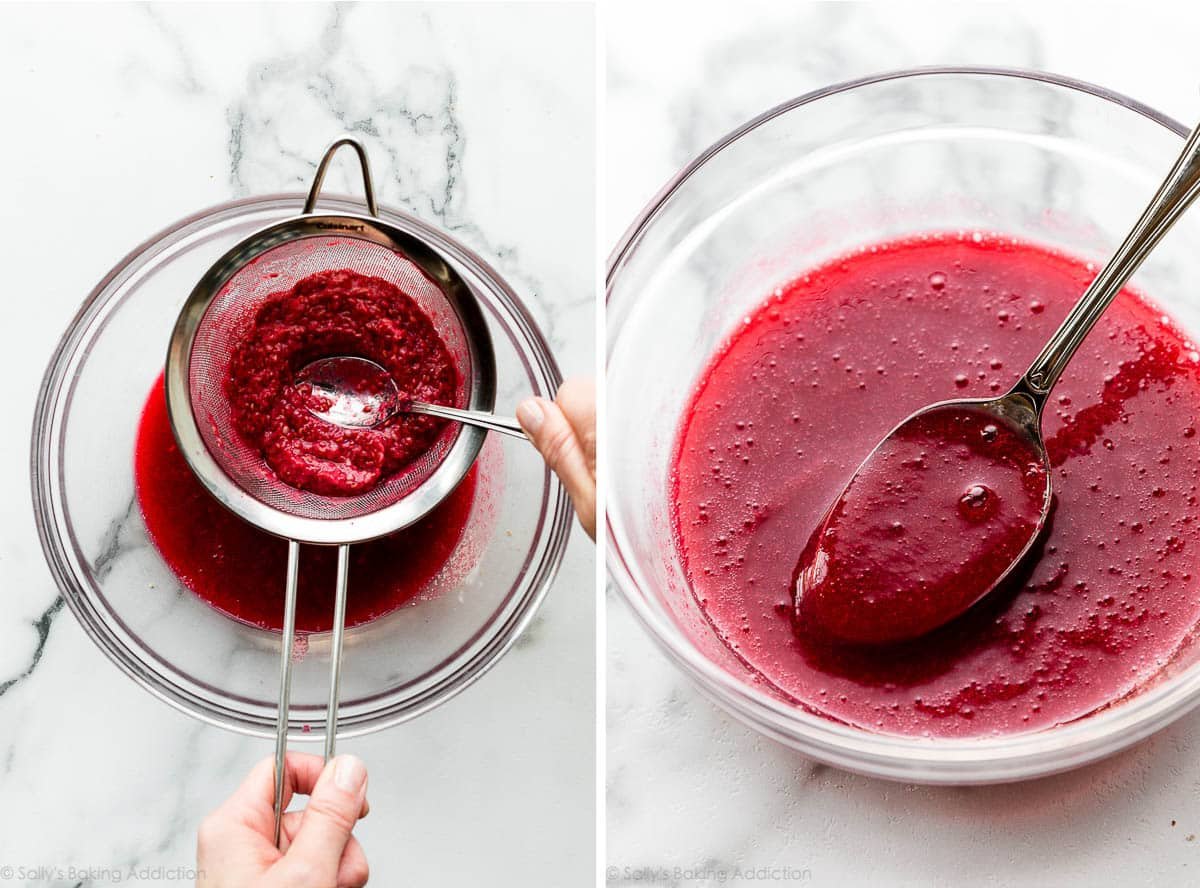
[687,786]
[120,120]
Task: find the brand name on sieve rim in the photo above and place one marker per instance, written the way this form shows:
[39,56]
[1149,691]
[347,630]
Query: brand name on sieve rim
[338,226]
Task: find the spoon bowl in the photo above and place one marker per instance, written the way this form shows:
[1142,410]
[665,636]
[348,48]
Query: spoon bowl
[351,392]
[935,518]
[358,393]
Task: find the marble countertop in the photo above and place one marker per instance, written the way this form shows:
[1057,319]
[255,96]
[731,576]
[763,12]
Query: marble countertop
[687,786]
[123,119]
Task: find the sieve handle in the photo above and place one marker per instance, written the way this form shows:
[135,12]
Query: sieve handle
[335,651]
[319,179]
[285,682]
[285,668]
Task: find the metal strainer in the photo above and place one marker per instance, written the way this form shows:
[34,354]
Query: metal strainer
[216,314]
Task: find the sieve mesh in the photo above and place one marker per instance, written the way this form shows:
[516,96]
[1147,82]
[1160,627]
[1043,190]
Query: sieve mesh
[231,314]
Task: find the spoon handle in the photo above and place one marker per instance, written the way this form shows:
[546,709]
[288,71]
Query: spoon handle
[470,417]
[1174,196]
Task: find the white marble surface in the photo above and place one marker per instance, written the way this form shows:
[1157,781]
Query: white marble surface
[119,120]
[689,787]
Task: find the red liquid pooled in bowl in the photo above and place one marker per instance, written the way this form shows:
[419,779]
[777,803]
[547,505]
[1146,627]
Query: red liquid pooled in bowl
[241,571]
[929,523]
[823,370]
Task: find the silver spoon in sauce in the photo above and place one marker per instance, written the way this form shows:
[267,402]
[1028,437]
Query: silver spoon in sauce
[955,496]
[358,393]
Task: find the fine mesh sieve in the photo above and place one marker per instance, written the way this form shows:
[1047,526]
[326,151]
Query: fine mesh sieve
[218,313]
[223,304]
[231,313]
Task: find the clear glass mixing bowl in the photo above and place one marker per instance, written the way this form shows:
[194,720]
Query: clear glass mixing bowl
[175,645]
[1041,157]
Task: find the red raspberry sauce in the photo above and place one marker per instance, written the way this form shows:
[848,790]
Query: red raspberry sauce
[928,524]
[241,571]
[336,313]
[826,367]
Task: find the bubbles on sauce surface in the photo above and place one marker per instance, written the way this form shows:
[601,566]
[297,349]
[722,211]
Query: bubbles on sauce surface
[1086,615]
[978,502]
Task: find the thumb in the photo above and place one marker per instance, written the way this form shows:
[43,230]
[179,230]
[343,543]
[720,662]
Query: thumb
[333,808]
[556,440]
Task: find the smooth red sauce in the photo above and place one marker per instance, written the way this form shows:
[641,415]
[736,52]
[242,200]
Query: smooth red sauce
[241,570]
[333,313]
[930,522]
[818,375]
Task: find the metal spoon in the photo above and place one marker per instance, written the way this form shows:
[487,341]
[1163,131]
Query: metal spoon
[1021,408]
[361,394]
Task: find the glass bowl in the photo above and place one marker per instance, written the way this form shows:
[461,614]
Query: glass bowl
[186,652]
[1036,156]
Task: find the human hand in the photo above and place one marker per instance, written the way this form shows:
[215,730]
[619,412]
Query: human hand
[235,846]
[564,432]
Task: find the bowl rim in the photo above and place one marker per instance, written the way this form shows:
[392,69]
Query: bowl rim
[557,520]
[642,219]
[985,759]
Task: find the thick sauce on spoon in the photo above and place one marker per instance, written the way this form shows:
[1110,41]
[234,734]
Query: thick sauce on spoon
[929,523]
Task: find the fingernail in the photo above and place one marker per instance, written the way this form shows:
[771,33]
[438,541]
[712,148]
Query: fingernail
[349,773]
[530,415]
